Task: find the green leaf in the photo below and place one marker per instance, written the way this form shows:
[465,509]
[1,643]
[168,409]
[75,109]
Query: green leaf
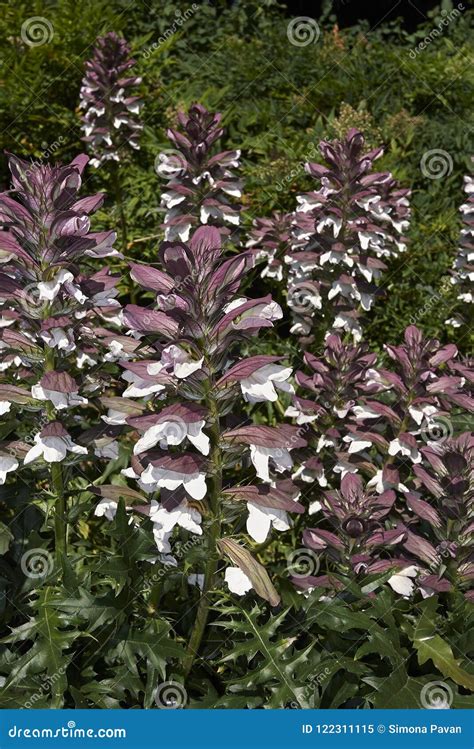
[431,646]
[95,611]
[439,651]
[275,666]
[395,691]
[379,642]
[45,657]
[6,536]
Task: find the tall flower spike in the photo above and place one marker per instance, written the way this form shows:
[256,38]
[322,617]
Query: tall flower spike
[51,315]
[411,404]
[111,108]
[463,269]
[384,424]
[195,446]
[342,234]
[442,501]
[202,187]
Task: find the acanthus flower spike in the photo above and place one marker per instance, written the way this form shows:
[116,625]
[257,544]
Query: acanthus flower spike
[52,342]
[343,233]
[201,185]
[192,379]
[109,101]
[390,427]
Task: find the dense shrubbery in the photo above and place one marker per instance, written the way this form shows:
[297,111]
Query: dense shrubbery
[185,521]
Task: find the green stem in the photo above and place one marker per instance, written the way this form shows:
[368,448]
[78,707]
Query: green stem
[60,522]
[215,489]
[202,614]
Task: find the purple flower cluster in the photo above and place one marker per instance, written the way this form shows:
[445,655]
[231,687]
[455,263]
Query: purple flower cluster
[342,234]
[388,432]
[202,187]
[111,108]
[463,271]
[51,315]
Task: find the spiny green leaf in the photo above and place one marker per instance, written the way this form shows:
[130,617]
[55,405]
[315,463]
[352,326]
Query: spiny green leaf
[280,669]
[396,691]
[440,652]
[46,655]
[378,642]
[95,611]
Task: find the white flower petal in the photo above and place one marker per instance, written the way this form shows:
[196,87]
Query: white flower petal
[196,486]
[197,437]
[259,522]
[237,581]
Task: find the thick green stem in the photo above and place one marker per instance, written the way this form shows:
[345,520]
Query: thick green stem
[202,614]
[60,522]
[215,489]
